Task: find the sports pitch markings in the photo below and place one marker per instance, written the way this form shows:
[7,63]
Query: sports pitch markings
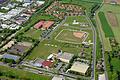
[72,42]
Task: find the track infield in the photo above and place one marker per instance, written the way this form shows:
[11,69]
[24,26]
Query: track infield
[71,36]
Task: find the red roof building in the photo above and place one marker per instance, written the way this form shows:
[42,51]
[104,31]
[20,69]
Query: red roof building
[39,25]
[48,24]
[47,64]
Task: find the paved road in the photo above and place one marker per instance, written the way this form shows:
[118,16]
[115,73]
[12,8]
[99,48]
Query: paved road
[94,49]
[103,49]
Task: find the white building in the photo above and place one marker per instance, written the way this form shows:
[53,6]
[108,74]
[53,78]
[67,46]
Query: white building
[58,78]
[65,57]
[79,67]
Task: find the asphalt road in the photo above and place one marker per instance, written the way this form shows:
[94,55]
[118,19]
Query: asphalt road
[94,49]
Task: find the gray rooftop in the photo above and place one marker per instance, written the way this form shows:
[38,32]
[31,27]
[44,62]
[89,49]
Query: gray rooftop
[10,56]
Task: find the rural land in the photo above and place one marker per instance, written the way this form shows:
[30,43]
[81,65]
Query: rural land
[59,40]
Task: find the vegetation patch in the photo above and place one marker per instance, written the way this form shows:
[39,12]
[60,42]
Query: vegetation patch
[105,26]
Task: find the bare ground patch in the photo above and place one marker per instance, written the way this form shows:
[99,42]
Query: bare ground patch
[112,19]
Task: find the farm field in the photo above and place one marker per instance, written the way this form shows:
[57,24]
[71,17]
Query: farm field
[115,9]
[109,1]
[25,75]
[112,15]
[105,25]
[51,45]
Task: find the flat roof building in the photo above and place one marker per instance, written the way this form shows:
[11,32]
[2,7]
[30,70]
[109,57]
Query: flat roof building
[10,56]
[58,78]
[101,77]
[65,57]
[79,67]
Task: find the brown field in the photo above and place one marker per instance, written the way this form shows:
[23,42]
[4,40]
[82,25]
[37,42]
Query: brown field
[109,1]
[79,34]
[118,1]
[112,19]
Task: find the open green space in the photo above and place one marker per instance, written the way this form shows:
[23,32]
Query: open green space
[105,26]
[51,45]
[67,36]
[33,33]
[20,74]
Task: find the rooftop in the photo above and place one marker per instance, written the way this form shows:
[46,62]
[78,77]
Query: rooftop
[10,56]
[79,67]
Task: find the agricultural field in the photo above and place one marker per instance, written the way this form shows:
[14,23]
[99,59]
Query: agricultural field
[111,20]
[115,10]
[114,2]
[105,25]
[52,45]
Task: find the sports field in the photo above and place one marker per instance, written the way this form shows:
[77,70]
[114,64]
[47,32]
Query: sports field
[48,46]
[68,36]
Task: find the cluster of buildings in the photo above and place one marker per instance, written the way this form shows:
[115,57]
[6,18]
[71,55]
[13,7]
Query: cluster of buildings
[14,50]
[18,14]
[44,25]
[60,10]
[63,58]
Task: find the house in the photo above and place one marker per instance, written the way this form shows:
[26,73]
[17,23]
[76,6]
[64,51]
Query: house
[39,3]
[39,25]
[65,57]
[10,56]
[58,78]
[27,1]
[8,45]
[47,64]
[79,67]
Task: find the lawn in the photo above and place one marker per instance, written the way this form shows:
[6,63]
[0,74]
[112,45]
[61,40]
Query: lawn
[33,33]
[68,37]
[24,76]
[105,26]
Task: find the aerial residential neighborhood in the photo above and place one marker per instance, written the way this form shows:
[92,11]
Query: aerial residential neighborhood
[59,40]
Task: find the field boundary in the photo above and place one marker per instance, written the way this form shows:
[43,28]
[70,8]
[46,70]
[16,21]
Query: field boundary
[71,41]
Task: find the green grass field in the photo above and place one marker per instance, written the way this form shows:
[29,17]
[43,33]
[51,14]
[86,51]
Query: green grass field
[21,75]
[33,33]
[105,26]
[51,45]
[68,37]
